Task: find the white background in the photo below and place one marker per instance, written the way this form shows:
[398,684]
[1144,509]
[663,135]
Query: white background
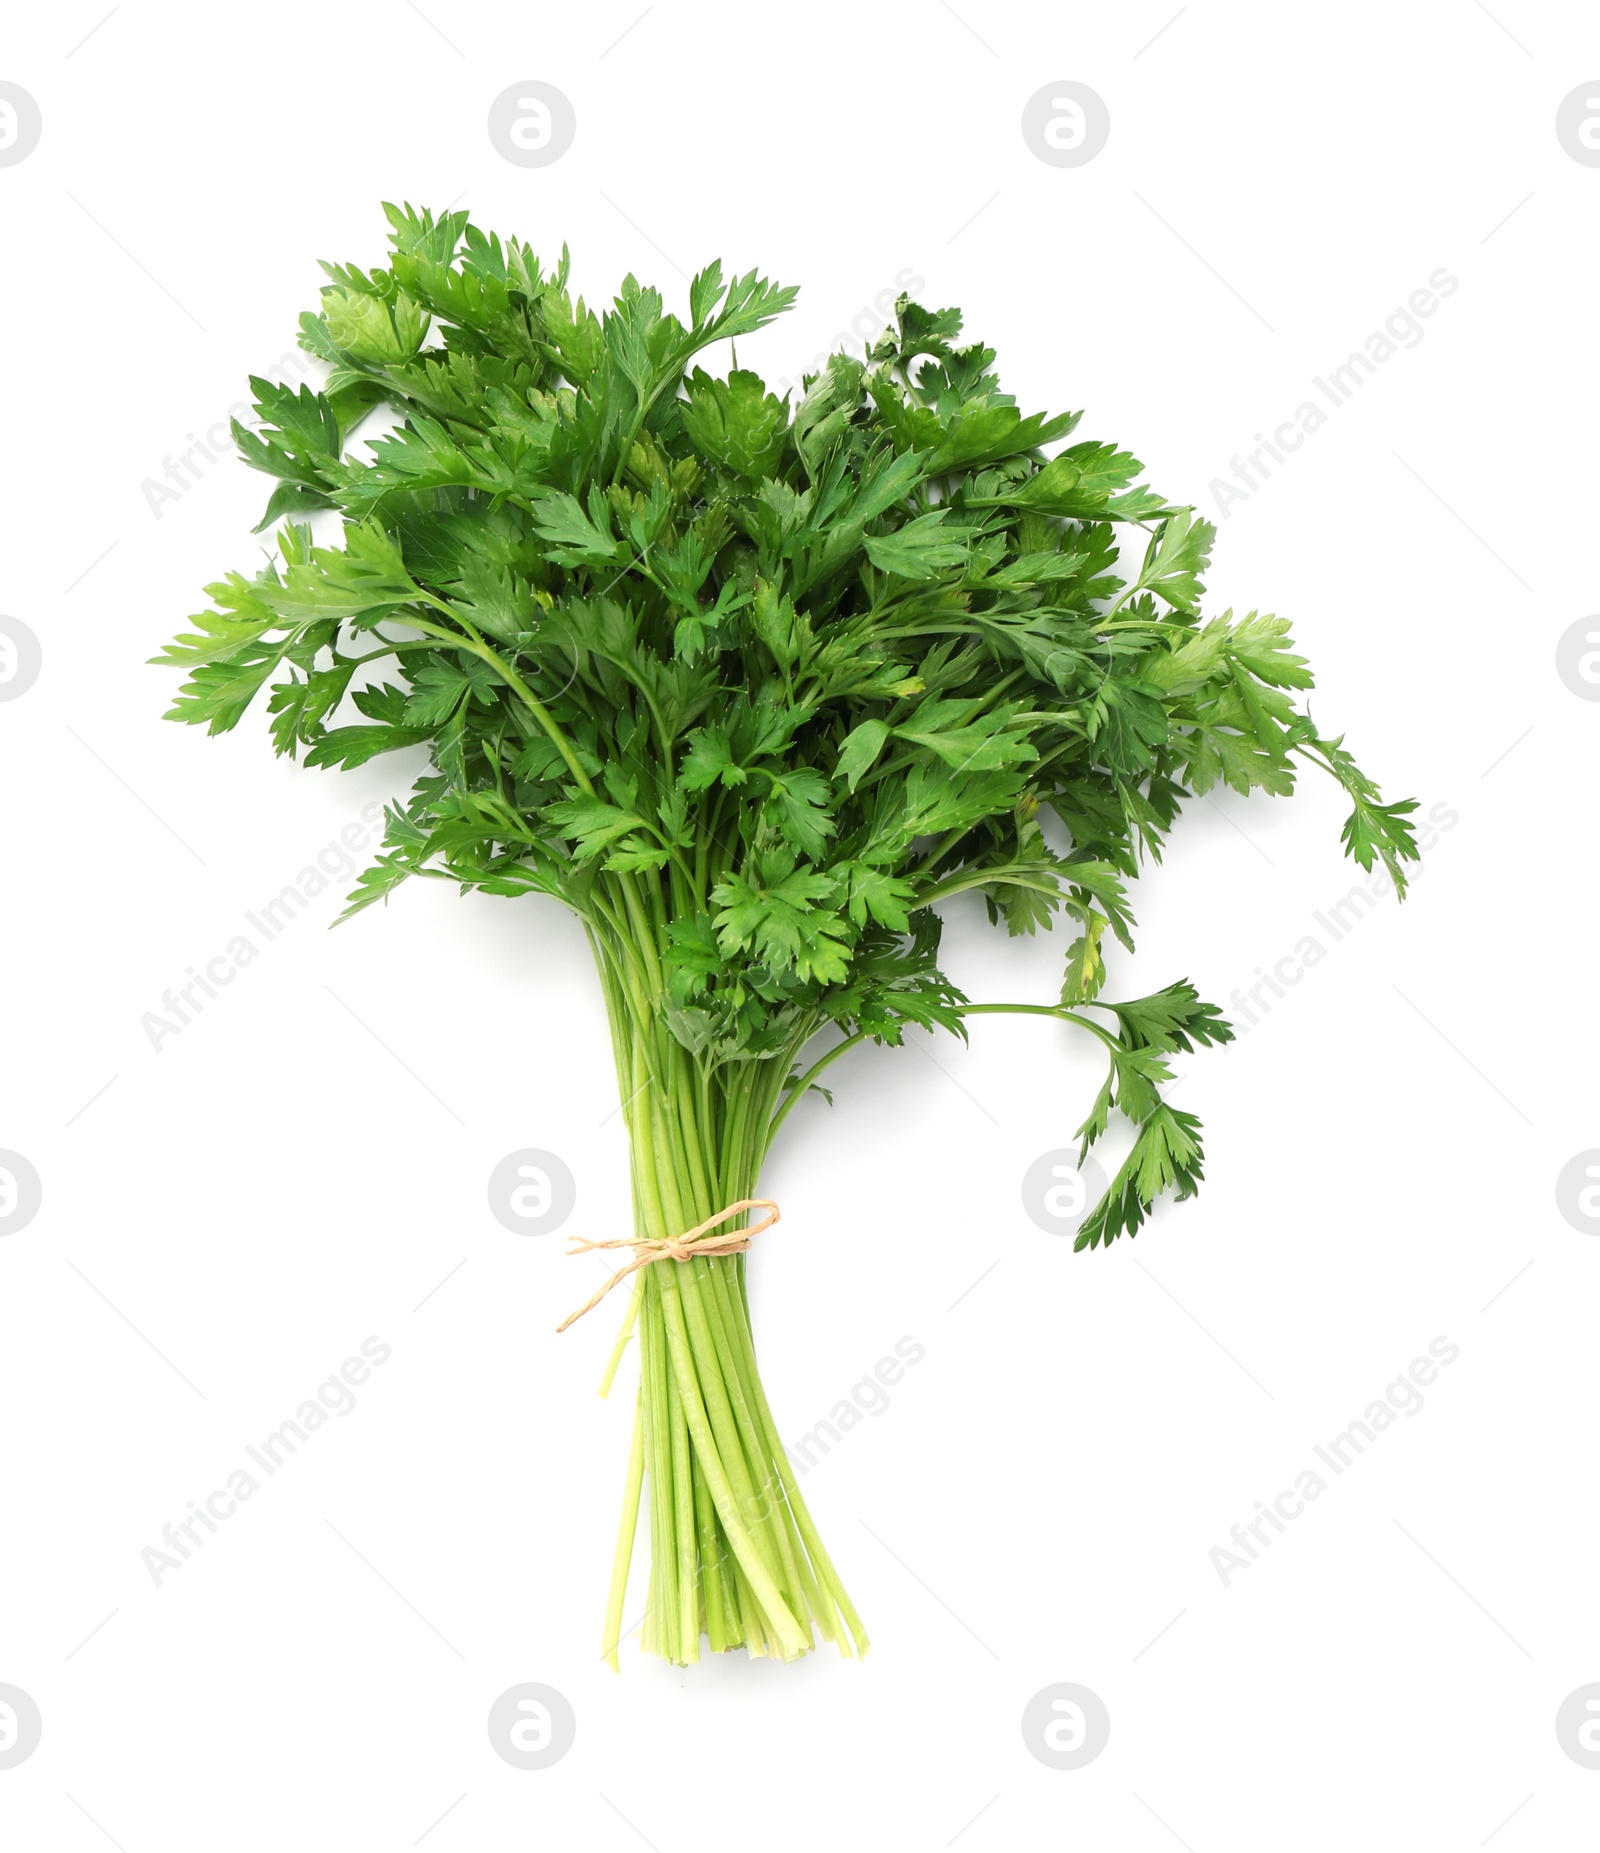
[307,1161]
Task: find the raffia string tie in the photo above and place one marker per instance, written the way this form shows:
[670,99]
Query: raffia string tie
[677,1247]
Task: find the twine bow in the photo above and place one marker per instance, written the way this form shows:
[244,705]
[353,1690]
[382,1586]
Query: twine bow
[676,1247]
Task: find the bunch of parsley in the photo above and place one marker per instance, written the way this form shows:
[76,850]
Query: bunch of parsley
[751,688]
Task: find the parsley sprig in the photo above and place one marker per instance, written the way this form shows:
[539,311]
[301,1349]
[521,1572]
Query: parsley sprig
[752,687]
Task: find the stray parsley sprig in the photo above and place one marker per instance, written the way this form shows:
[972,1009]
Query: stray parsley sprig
[752,688]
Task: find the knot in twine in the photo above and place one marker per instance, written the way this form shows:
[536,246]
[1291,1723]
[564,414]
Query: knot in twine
[676,1247]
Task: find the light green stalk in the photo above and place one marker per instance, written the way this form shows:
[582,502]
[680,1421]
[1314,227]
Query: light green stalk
[735,1555]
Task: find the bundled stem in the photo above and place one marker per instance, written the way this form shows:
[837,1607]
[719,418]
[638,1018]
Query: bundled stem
[734,1554]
